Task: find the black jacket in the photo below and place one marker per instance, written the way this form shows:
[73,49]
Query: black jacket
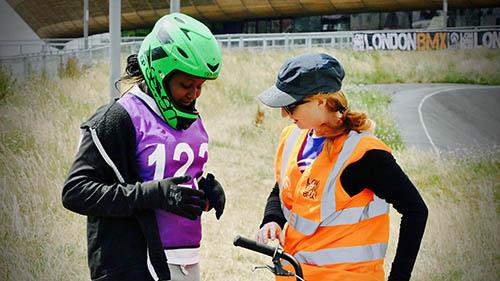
[120,216]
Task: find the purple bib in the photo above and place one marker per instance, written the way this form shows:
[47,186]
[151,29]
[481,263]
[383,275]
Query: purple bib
[163,152]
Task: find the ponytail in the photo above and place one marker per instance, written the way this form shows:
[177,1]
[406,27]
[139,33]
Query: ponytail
[133,73]
[357,121]
[351,120]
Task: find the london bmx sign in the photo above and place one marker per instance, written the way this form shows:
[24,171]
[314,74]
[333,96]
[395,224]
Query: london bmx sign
[426,40]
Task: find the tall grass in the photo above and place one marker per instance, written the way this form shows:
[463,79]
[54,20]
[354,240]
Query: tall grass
[40,240]
[38,137]
[478,66]
[7,83]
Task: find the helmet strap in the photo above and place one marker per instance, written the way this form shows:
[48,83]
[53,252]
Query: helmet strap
[174,116]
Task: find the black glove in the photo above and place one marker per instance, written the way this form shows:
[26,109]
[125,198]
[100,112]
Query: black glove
[214,194]
[183,201]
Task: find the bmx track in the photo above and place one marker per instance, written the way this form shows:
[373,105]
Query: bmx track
[447,118]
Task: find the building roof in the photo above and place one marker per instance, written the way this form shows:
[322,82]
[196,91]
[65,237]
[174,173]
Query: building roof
[63,18]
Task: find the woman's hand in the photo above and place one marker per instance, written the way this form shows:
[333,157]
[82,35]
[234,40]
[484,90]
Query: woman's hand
[182,201]
[214,193]
[270,230]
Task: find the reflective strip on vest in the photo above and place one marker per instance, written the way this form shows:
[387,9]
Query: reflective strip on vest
[286,212]
[328,206]
[354,215]
[329,215]
[342,255]
[287,150]
[345,216]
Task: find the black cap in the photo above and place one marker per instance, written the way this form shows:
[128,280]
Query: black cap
[303,76]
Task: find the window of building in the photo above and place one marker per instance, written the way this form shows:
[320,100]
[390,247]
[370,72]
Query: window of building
[286,25]
[275,26]
[395,20]
[365,21]
[263,26]
[335,22]
[250,27]
[232,27]
[468,17]
[487,17]
[422,19]
[307,24]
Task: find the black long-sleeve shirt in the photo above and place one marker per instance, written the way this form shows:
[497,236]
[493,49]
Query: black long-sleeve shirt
[378,170]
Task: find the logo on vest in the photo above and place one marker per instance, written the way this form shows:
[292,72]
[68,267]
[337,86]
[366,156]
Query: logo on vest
[311,189]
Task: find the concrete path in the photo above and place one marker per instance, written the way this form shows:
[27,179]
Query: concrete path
[446,117]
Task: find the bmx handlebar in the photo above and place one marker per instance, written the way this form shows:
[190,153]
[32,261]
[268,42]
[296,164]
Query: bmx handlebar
[254,246]
[268,251]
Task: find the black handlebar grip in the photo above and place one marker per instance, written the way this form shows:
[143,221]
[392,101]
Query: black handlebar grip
[254,246]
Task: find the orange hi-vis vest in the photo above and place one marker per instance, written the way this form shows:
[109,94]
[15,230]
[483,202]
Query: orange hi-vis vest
[332,235]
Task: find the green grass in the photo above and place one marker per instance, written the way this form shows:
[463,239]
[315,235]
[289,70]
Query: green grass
[477,66]
[39,131]
[7,83]
[376,104]
[71,69]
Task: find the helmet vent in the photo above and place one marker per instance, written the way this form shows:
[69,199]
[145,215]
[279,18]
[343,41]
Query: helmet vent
[186,33]
[180,20]
[213,68]
[181,51]
[158,53]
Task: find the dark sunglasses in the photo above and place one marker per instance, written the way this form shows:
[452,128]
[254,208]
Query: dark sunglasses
[291,107]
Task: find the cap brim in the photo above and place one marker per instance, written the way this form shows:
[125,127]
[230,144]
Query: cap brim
[274,97]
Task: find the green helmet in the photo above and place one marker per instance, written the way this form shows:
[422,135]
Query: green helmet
[177,42]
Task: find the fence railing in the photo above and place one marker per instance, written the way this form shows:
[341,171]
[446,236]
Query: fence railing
[50,63]
[49,55]
[9,48]
[287,40]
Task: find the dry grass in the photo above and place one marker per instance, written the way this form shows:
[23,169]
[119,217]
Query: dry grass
[462,238]
[40,240]
[478,66]
[38,139]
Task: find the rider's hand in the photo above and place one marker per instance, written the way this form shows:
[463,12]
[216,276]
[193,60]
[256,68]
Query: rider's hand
[215,194]
[270,230]
[182,201]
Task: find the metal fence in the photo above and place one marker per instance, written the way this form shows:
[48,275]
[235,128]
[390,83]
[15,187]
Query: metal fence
[10,48]
[340,40]
[49,64]
[48,56]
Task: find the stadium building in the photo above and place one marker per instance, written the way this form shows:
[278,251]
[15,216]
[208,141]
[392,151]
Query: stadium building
[64,18]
